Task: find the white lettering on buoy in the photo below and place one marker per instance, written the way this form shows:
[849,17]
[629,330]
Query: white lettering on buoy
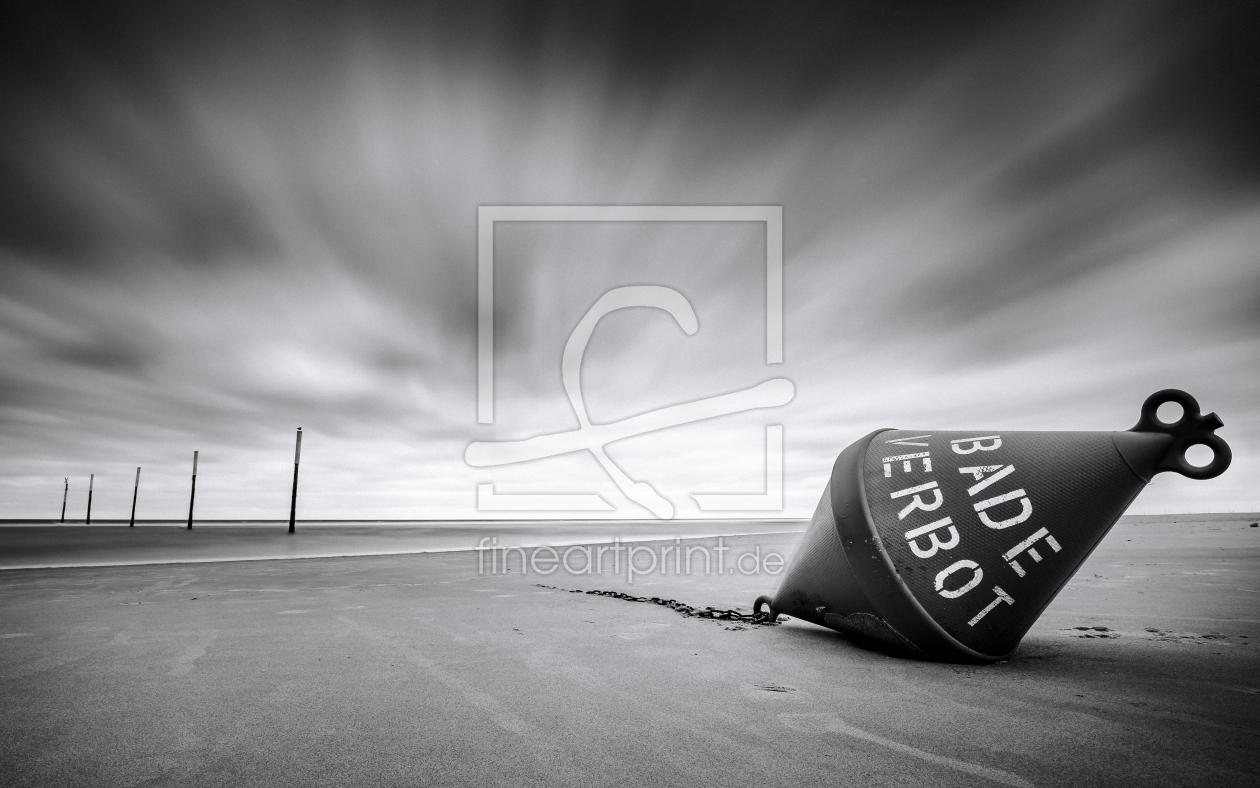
[1025,509]
[976,445]
[935,543]
[909,440]
[905,459]
[1027,546]
[918,503]
[1002,596]
[978,473]
[954,567]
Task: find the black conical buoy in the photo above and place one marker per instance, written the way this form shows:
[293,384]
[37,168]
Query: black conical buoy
[950,544]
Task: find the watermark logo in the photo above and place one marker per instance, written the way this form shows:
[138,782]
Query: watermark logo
[772,393]
[616,558]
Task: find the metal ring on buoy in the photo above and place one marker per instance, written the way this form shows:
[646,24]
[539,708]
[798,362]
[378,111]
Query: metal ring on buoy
[770,613]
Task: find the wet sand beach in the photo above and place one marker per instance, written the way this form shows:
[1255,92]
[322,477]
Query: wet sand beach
[427,669]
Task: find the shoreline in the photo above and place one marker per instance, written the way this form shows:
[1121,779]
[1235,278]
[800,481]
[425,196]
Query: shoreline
[27,522]
[71,546]
[430,551]
[68,547]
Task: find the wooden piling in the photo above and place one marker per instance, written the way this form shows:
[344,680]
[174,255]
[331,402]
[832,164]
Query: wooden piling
[192,495]
[134,494]
[297,458]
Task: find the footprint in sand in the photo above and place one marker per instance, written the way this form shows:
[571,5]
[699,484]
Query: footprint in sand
[641,631]
[185,662]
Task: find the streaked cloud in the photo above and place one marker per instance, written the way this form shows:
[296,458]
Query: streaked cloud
[220,223]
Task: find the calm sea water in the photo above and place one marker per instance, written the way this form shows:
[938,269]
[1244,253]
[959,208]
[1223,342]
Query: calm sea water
[42,545]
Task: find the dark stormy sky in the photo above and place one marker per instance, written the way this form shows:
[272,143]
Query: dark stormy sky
[221,221]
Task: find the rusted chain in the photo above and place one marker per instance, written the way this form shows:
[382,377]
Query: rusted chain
[682,608]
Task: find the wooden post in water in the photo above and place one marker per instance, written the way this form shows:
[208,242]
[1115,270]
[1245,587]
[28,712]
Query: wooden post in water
[134,494]
[64,495]
[297,458]
[192,495]
[91,481]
